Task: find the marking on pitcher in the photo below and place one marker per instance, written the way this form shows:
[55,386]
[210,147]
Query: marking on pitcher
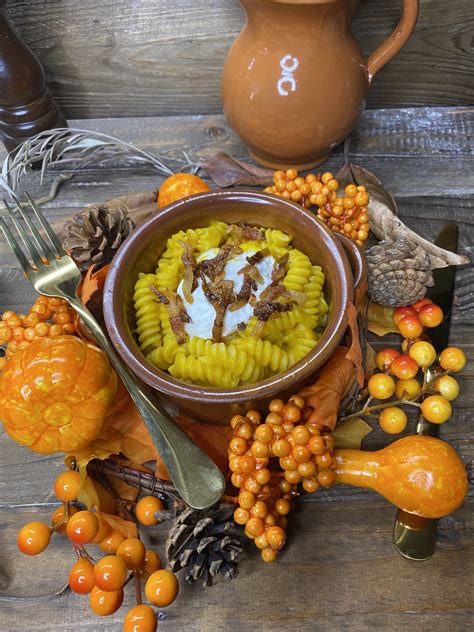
[287,82]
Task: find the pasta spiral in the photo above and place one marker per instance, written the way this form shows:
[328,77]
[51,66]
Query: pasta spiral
[147,314]
[201,371]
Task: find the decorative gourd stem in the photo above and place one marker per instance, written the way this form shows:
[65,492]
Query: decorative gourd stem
[26,105]
[419,474]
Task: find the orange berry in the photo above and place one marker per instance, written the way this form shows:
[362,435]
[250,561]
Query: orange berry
[66,486]
[110,573]
[404,368]
[104,602]
[246,499]
[33,538]
[69,329]
[55,331]
[146,509]
[436,409]
[393,420]
[407,389]
[452,359]
[41,330]
[447,386]
[140,618]
[431,315]
[161,588]
[241,515]
[111,543]
[282,506]
[81,576]
[269,555]
[276,537]
[254,527]
[423,353]
[132,551]
[152,561]
[326,477]
[381,386]
[400,313]
[82,527]
[421,303]
[410,326]
[291,174]
[264,433]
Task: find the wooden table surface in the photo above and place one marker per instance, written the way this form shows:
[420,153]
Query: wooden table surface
[339,569]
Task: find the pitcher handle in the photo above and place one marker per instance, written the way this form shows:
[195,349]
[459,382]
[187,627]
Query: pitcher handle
[396,40]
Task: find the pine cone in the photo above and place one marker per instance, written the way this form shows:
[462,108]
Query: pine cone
[95,234]
[399,272]
[205,542]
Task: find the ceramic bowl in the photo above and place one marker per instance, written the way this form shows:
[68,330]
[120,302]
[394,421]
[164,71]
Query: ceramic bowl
[143,247]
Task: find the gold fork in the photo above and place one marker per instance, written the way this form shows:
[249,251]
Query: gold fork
[53,273]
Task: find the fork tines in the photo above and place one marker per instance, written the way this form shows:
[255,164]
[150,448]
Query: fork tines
[39,249]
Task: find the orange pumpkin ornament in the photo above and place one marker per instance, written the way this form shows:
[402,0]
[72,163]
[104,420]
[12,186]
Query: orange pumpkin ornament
[419,474]
[179,186]
[57,394]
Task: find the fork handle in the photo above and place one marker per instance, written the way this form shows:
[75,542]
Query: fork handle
[194,474]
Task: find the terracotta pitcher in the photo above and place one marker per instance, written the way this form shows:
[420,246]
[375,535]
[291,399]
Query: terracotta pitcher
[295,82]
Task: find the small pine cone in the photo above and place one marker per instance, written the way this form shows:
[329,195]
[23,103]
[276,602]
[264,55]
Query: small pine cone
[205,542]
[96,233]
[399,272]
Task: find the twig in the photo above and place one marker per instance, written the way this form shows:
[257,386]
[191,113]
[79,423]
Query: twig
[142,480]
[53,191]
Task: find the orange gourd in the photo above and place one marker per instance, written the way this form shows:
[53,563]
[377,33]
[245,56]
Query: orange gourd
[57,394]
[419,474]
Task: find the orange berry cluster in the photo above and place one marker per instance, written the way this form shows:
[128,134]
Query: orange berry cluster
[416,353]
[304,454]
[346,214]
[19,330]
[105,579]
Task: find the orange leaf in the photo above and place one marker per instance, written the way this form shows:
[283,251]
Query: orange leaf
[355,352]
[93,494]
[125,527]
[93,282]
[325,395]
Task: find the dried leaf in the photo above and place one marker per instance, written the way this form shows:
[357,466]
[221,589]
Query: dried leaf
[370,359]
[127,528]
[325,395]
[380,319]
[93,282]
[87,493]
[349,434]
[226,171]
[355,352]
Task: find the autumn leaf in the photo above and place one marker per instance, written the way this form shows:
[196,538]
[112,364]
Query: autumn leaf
[355,351]
[227,171]
[325,395]
[94,495]
[380,319]
[349,433]
[127,528]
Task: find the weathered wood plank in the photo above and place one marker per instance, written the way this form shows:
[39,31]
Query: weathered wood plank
[340,569]
[147,57]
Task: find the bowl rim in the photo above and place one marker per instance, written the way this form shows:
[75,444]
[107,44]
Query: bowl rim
[163,382]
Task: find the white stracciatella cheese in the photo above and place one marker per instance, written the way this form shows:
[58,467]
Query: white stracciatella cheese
[202,313]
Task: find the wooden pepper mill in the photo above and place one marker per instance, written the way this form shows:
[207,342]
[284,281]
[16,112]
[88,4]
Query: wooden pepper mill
[26,104]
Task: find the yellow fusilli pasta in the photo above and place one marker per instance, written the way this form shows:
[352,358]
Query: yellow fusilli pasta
[254,350]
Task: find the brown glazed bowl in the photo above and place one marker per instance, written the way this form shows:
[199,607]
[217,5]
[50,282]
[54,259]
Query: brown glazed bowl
[143,247]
